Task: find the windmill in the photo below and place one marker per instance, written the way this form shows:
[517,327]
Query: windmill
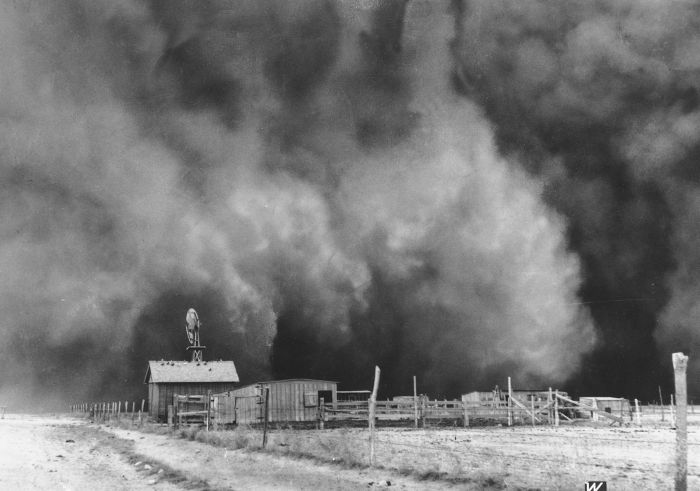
[192,330]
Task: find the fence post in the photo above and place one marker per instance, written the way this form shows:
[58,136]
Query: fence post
[267,402]
[556,407]
[466,413]
[672,410]
[680,364]
[510,404]
[321,415]
[141,412]
[371,412]
[661,404]
[208,408]
[415,404]
[549,407]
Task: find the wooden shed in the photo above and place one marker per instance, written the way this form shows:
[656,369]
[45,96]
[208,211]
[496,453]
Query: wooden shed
[617,406]
[291,400]
[498,397]
[167,378]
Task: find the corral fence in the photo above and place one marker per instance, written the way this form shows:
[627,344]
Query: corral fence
[228,409]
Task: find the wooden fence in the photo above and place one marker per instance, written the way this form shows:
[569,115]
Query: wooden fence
[191,410]
[111,411]
[554,411]
[424,409]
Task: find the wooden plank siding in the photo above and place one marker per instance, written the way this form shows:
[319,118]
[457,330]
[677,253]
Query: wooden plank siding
[161,394]
[290,401]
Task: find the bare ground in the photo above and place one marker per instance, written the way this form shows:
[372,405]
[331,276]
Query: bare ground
[68,453]
[38,453]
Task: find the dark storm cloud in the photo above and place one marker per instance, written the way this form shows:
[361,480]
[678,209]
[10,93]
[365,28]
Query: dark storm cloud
[600,100]
[301,173]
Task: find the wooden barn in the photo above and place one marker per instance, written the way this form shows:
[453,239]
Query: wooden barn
[291,400]
[167,378]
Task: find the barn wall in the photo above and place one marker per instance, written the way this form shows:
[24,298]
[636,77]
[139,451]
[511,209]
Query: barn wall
[162,394]
[290,401]
[153,400]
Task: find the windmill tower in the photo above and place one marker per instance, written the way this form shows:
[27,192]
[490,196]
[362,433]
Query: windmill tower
[192,329]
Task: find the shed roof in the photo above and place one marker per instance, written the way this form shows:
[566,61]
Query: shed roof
[298,380]
[289,380]
[190,371]
[599,398]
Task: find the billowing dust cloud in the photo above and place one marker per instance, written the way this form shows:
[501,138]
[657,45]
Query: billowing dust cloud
[600,101]
[315,180]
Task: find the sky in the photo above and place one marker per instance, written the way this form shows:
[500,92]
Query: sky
[459,190]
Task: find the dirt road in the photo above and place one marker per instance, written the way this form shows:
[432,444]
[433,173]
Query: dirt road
[38,453]
[47,453]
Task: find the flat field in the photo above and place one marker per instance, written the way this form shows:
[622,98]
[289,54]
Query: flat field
[71,453]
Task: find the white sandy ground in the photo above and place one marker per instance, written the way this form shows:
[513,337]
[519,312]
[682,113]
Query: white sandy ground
[35,454]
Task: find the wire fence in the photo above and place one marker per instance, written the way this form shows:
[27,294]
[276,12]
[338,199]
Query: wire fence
[434,440]
[503,450]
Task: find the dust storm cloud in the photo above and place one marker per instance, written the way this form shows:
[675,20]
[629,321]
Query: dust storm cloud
[462,191]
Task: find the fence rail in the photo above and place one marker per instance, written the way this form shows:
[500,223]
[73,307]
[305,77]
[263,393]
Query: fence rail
[540,412]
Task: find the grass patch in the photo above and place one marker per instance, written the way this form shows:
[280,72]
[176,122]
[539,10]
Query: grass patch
[343,447]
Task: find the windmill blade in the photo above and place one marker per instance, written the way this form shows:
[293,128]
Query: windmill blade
[192,325]
[192,319]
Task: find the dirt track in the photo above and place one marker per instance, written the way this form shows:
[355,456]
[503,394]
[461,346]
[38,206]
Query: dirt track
[47,453]
[38,453]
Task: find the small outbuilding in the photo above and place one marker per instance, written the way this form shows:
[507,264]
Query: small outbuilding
[498,397]
[617,406]
[292,400]
[167,378]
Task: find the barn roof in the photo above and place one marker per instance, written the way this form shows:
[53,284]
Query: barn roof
[190,371]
